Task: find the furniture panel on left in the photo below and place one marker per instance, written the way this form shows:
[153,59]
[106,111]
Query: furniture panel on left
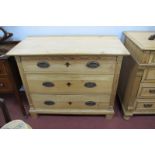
[10,81]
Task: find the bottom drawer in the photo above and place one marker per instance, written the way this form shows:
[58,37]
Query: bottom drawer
[69,101]
[145,105]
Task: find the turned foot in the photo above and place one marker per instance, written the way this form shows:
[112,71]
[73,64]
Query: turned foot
[34,115]
[126,117]
[109,116]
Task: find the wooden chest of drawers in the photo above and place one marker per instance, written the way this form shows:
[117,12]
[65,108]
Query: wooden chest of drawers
[137,79]
[70,74]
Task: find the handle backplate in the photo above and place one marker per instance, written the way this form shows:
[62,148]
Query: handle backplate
[90,103]
[152,91]
[43,64]
[48,84]
[93,64]
[49,102]
[90,84]
[148,105]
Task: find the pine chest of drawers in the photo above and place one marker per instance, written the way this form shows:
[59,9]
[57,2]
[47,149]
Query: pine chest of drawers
[137,79]
[70,74]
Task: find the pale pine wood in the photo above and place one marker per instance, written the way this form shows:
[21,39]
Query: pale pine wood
[152,58]
[149,74]
[77,51]
[73,111]
[70,45]
[20,67]
[139,70]
[115,80]
[141,39]
[70,57]
[127,117]
[103,84]
[129,82]
[141,57]
[124,74]
[127,113]
[69,101]
[76,66]
[109,116]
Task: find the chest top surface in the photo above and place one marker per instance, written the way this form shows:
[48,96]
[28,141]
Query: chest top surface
[69,45]
[141,39]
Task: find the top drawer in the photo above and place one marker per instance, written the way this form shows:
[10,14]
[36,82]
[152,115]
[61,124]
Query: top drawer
[70,64]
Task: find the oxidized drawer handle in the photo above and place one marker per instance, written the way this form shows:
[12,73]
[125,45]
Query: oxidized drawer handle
[90,103]
[152,37]
[93,64]
[43,64]
[90,84]
[48,84]
[152,91]
[1,84]
[49,102]
[148,105]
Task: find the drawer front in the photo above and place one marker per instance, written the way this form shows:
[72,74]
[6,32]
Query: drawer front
[69,101]
[74,65]
[69,84]
[149,74]
[145,105]
[146,90]
[5,85]
[3,70]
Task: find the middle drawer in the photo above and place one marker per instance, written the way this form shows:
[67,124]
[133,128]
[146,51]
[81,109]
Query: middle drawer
[69,84]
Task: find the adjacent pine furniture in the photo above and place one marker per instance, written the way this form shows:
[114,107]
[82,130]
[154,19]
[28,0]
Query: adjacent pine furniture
[137,79]
[10,81]
[70,74]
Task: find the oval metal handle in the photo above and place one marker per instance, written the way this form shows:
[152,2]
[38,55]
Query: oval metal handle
[43,64]
[148,105]
[93,64]
[49,102]
[90,84]
[152,37]
[152,91]
[90,103]
[48,84]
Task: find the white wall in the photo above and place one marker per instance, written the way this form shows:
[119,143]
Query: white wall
[20,32]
